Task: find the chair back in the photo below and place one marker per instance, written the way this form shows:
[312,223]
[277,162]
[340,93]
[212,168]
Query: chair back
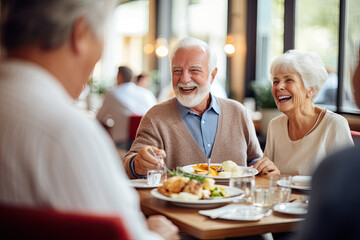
[134,122]
[33,223]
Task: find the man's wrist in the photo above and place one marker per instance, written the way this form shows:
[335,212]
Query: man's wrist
[132,168]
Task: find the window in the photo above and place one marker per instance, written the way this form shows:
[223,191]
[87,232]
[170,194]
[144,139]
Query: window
[352,44]
[316,28]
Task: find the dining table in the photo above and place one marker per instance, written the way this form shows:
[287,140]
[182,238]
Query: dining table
[189,221]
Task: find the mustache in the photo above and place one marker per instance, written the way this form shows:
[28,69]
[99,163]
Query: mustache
[189,84]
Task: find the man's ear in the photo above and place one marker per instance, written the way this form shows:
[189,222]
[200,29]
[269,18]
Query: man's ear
[213,75]
[79,34]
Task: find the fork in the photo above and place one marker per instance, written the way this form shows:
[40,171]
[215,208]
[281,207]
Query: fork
[154,155]
[208,165]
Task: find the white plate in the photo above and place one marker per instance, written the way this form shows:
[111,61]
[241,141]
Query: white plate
[142,183]
[292,208]
[202,203]
[237,212]
[299,187]
[249,172]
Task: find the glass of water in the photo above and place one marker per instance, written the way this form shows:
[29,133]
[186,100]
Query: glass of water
[156,177]
[280,186]
[262,197]
[280,180]
[159,175]
[247,184]
[280,194]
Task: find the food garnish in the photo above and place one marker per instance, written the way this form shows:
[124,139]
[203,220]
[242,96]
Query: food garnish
[180,172]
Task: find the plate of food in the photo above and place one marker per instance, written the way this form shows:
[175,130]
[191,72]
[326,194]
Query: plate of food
[142,183]
[195,192]
[293,208]
[221,171]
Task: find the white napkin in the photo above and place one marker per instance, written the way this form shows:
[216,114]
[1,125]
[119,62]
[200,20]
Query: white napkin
[237,212]
[301,180]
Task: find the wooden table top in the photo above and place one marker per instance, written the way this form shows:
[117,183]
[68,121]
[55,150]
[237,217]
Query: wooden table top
[191,222]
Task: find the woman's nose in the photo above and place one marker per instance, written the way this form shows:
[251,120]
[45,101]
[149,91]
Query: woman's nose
[280,86]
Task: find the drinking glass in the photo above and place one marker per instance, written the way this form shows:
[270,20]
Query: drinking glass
[280,180]
[262,197]
[280,194]
[158,175]
[280,186]
[247,184]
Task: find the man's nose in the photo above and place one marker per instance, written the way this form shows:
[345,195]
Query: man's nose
[185,77]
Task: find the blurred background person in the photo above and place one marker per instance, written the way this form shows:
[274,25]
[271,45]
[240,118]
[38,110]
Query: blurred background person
[298,140]
[334,211]
[52,155]
[119,104]
[143,80]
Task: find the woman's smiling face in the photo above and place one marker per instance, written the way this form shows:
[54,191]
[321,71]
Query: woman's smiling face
[289,91]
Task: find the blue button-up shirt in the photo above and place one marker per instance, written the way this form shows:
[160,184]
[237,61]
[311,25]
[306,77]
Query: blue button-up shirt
[202,128]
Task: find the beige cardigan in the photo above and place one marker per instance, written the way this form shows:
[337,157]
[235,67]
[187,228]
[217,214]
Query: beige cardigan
[163,127]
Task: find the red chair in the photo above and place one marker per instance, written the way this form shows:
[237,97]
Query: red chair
[134,123]
[356,136]
[31,223]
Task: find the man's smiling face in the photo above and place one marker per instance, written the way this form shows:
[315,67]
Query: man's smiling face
[190,76]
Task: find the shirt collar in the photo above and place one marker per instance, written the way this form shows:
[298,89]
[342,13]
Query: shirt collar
[213,105]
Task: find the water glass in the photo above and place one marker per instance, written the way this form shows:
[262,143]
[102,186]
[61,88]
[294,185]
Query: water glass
[247,184]
[280,180]
[280,194]
[262,197]
[156,177]
[159,175]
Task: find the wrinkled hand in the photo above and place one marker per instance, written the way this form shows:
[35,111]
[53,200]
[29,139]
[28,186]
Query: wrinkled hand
[144,161]
[266,167]
[164,227]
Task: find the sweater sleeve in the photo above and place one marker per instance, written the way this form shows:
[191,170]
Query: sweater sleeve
[146,135]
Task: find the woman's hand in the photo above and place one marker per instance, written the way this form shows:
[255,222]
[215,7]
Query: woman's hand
[164,227]
[266,167]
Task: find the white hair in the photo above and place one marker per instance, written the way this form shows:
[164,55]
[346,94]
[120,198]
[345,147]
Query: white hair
[50,22]
[189,42]
[308,65]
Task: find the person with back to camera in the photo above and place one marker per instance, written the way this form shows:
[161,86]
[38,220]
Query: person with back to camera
[125,100]
[194,125]
[334,210]
[52,155]
[298,140]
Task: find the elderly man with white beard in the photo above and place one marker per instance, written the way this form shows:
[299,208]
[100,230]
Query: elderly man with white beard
[194,125]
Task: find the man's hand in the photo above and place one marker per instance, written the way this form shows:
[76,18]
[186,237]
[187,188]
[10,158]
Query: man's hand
[266,167]
[145,161]
[162,226]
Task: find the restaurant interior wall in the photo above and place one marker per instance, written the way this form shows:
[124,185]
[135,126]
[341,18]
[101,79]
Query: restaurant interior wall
[314,28]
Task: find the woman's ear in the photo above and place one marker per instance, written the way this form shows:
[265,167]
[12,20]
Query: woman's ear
[311,92]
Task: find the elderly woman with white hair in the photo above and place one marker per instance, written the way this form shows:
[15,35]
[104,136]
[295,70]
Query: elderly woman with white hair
[298,140]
